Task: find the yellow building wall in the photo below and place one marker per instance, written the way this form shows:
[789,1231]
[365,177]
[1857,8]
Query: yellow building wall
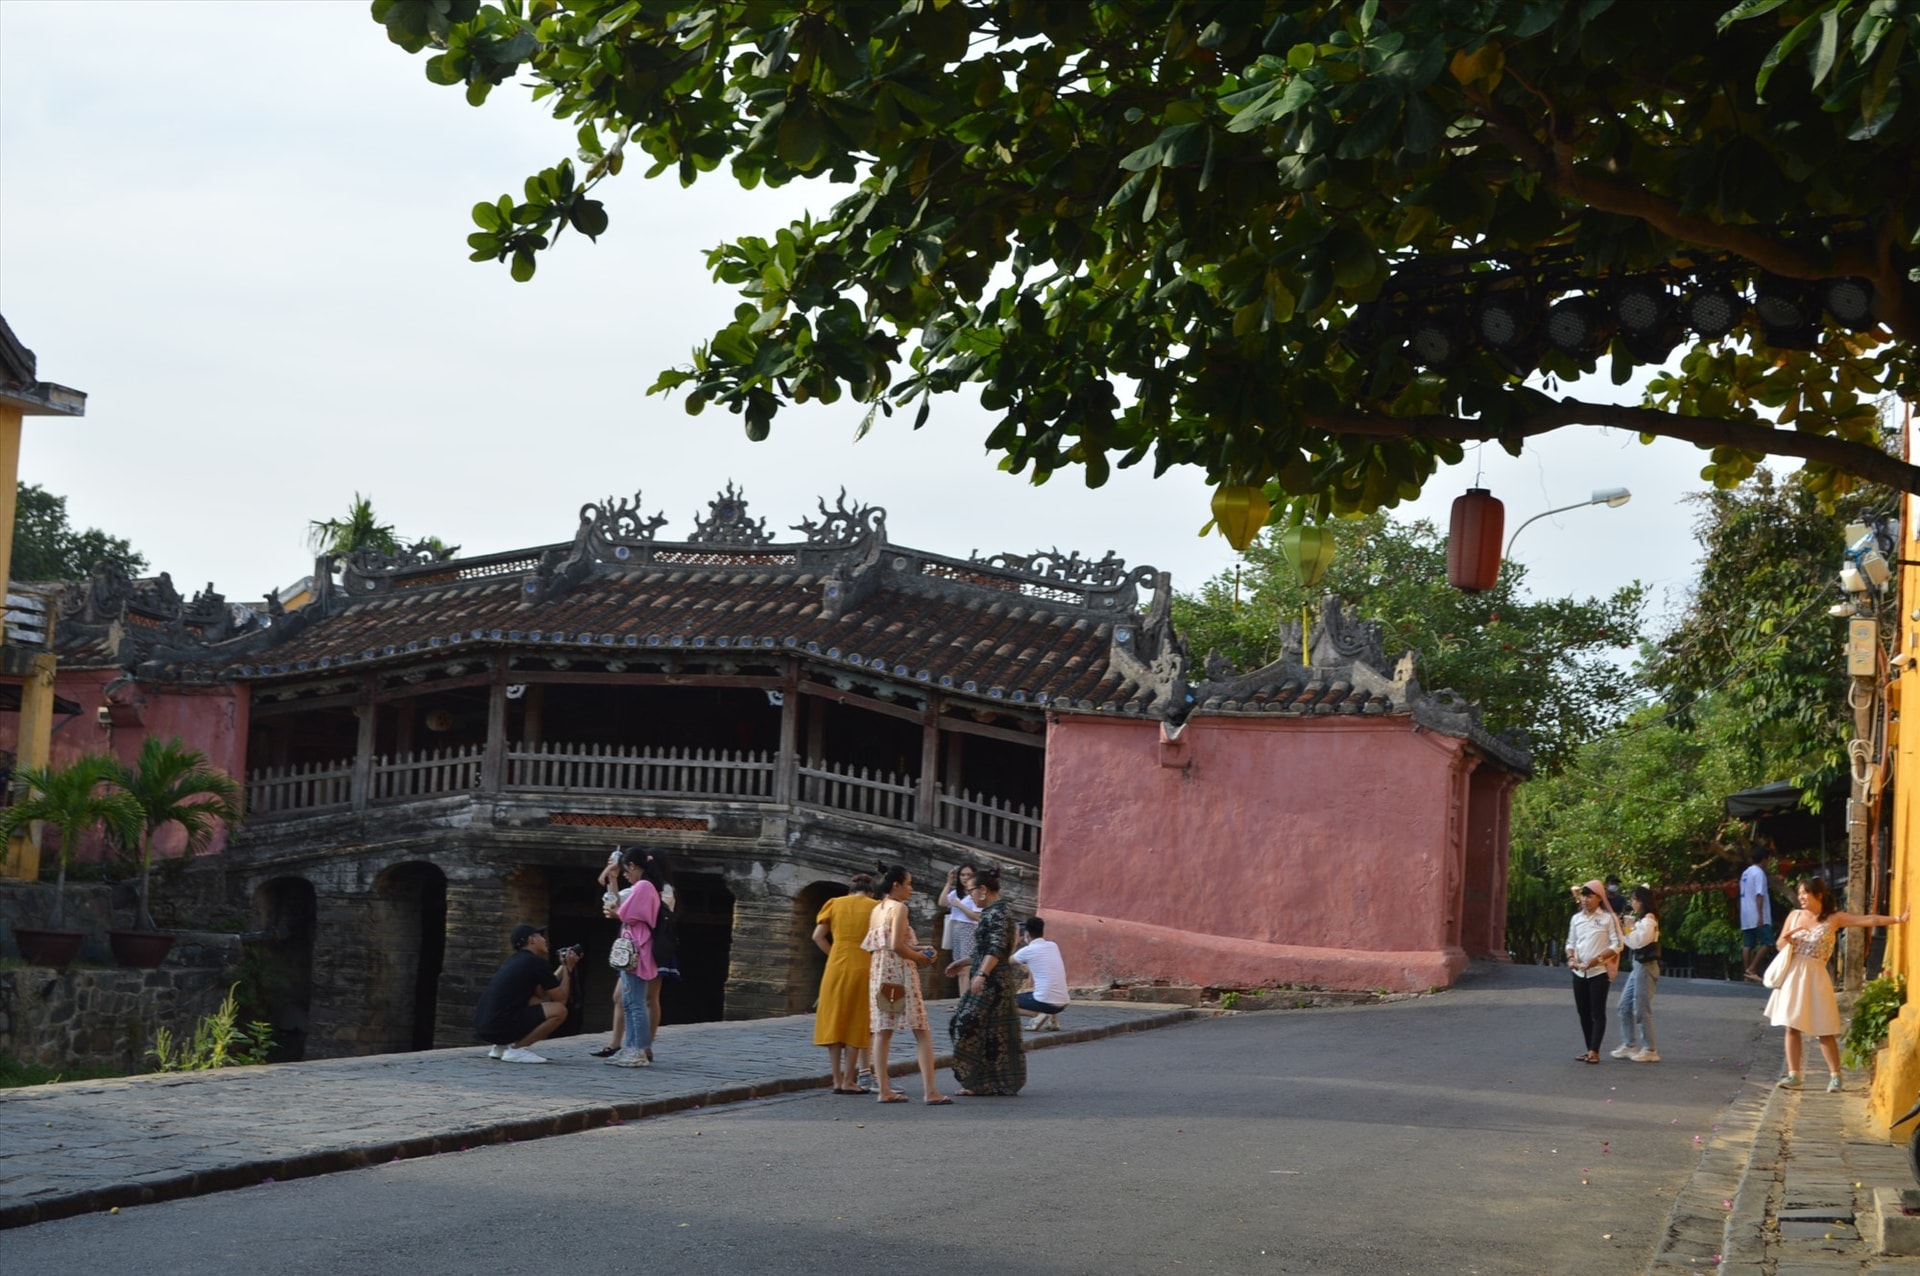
[1896,1078]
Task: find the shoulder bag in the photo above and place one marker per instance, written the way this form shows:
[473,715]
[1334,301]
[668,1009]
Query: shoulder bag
[1776,972]
[622,956]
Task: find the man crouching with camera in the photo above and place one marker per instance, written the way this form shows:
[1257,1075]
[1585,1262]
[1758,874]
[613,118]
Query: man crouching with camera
[526,1002]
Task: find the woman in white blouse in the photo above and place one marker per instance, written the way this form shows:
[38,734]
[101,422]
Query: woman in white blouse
[1593,952]
[1636,996]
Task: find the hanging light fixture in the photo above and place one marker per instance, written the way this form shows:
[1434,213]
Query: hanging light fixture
[1435,339]
[1506,323]
[1713,310]
[1850,302]
[1240,511]
[1644,309]
[1578,326]
[1473,540]
[1788,312]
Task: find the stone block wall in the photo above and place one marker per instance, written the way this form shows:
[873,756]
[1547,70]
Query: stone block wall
[102,1018]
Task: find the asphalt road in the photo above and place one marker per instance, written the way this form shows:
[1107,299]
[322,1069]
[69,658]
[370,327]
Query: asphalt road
[1451,1133]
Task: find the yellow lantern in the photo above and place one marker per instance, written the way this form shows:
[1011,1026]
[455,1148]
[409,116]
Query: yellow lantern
[1240,511]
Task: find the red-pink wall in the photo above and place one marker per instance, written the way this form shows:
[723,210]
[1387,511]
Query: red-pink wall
[210,719]
[1250,852]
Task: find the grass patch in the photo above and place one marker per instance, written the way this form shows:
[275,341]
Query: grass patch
[14,1073]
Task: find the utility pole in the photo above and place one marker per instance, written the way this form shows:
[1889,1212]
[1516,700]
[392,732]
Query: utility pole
[1863,693]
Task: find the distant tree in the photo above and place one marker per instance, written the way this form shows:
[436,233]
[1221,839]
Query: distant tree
[1546,666]
[46,546]
[1756,621]
[360,529]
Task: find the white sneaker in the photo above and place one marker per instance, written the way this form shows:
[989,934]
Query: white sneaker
[1649,1055]
[496,1052]
[1621,1052]
[630,1059]
[514,1054]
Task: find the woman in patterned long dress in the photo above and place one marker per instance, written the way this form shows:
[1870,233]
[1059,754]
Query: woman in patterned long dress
[897,959]
[1804,1003]
[840,1017]
[988,1054]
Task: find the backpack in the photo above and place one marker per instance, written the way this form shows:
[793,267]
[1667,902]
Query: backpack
[666,937]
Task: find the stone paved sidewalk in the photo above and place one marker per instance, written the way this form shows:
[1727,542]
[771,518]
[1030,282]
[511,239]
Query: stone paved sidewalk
[1786,1188]
[70,1149]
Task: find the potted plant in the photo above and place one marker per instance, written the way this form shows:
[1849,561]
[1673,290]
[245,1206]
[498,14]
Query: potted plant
[72,798]
[170,783]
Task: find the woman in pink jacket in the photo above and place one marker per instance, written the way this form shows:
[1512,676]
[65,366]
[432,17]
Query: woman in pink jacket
[637,913]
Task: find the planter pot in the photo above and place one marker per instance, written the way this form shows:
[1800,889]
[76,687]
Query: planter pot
[55,948]
[140,949]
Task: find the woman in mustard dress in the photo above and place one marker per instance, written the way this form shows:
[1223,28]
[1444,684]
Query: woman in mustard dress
[840,1020]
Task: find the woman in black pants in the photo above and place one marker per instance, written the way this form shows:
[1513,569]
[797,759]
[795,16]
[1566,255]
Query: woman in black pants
[1593,953]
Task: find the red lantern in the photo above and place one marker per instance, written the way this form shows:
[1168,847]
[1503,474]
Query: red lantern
[1473,540]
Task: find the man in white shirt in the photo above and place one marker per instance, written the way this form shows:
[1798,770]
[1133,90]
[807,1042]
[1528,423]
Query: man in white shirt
[1041,957]
[1756,914]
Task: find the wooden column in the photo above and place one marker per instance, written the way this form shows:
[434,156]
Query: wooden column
[368,712]
[493,762]
[530,705]
[786,764]
[927,808]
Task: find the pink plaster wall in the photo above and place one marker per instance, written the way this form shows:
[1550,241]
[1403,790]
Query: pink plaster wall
[210,719]
[1247,852]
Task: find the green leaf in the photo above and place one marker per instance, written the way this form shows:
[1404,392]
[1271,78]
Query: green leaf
[522,268]
[1828,48]
[589,217]
[487,217]
[1746,9]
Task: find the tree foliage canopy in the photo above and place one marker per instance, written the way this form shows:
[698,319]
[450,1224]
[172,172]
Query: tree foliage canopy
[1149,229]
[1542,665]
[1756,633]
[47,547]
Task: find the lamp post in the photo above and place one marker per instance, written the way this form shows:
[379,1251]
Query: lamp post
[1612,498]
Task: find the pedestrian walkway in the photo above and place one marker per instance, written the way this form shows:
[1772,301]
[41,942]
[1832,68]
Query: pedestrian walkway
[1786,1188]
[84,1146]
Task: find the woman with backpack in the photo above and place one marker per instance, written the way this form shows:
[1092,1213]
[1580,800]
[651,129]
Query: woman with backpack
[637,914]
[666,941]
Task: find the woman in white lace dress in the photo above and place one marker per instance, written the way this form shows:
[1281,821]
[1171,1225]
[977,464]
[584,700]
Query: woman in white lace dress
[1804,1003]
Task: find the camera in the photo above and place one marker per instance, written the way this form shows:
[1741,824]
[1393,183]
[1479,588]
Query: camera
[572,950]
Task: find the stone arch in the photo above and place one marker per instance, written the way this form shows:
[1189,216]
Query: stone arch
[409,939]
[805,962]
[278,979]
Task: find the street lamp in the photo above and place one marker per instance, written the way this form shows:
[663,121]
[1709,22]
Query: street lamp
[1612,498]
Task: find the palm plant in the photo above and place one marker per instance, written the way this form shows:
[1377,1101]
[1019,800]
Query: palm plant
[171,783]
[73,798]
[360,529]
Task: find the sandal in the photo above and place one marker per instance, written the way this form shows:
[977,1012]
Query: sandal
[604,1052]
[896,1097]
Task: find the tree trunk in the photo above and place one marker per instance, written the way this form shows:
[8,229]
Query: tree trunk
[143,920]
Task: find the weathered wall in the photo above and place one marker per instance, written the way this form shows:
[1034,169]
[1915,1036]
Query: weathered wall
[1896,1078]
[210,719]
[110,1018]
[1248,852]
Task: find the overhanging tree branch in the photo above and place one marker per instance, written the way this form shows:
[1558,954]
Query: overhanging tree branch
[1858,459]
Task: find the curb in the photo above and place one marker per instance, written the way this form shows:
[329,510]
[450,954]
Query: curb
[1739,1165]
[154,1189]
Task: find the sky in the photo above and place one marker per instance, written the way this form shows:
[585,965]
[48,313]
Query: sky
[240,229]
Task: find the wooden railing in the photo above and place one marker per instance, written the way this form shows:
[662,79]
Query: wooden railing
[739,775]
[427,773]
[729,775]
[306,787]
[878,795]
[988,820]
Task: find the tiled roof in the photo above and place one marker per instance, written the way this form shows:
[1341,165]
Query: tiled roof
[1045,630]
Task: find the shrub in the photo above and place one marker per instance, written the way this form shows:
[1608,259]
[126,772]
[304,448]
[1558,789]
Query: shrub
[1877,1006]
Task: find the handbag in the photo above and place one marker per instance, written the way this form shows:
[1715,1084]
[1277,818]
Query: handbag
[1776,972]
[893,998]
[622,955]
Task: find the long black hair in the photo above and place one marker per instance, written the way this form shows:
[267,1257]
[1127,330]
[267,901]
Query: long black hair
[891,875]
